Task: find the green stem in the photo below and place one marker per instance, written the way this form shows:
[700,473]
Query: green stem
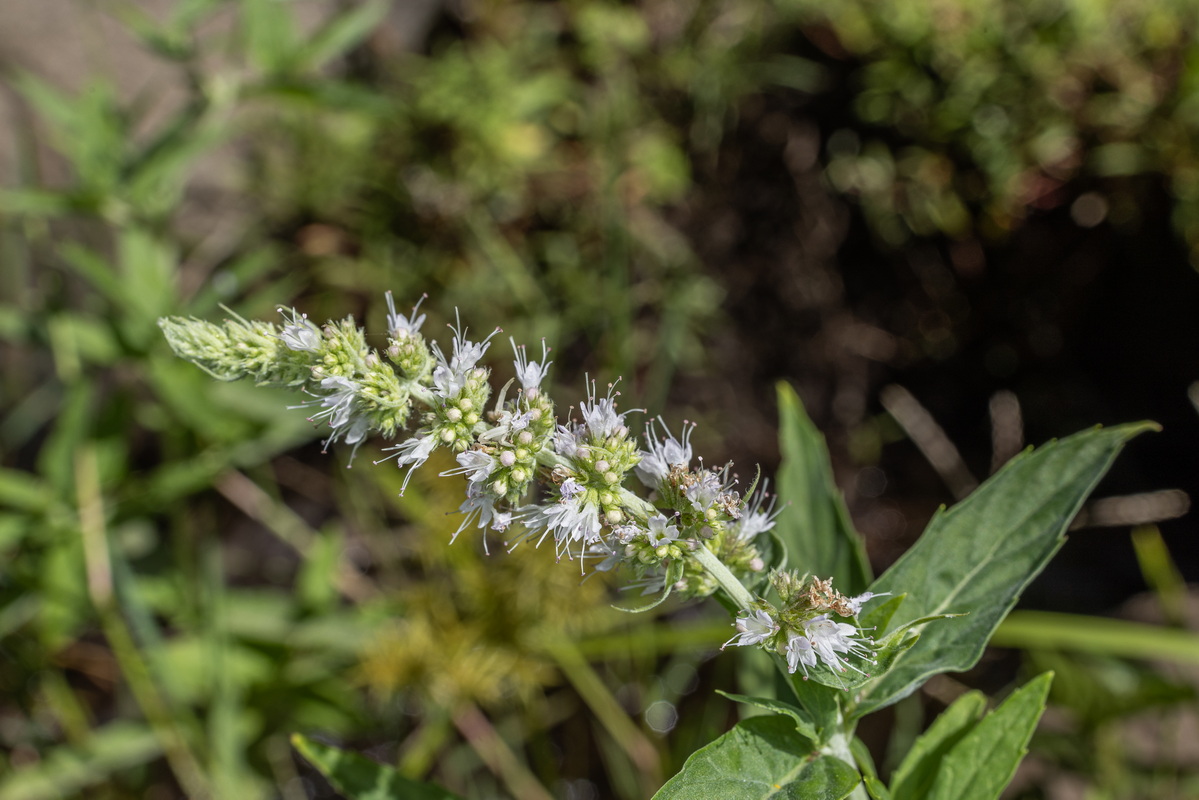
[837,746]
[607,709]
[478,731]
[421,749]
[153,702]
[727,580]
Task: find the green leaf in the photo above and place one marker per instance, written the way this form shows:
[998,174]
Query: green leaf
[979,556]
[922,764]
[878,789]
[803,723]
[814,524]
[861,756]
[984,761]
[343,33]
[879,615]
[819,704]
[360,778]
[268,32]
[762,757]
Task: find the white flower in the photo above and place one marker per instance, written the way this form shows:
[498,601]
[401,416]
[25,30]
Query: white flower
[480,506]
[466,352]
[753,628]
[831,639]
[339,401]
[506,424]
[412,453]
[445,380]
[855,603]
[474,464]
[530,373]
[754,519]
[599,415]
[400,326]
[660,533]
[337,409]
[657,461]
[800,654]
[567,440]
[570,489]
[625,533]
[703,493]
[449,376]
[299,333]
[573,521]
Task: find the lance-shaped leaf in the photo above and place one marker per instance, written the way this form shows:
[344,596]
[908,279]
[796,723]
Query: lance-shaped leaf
[976,558]
[762,757]
[984,761]
[814,524]
[922,764]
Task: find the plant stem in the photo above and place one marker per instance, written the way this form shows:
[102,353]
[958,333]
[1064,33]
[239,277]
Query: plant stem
[607,709]
[478,731]
[146,693]
[837,746]
[727,580]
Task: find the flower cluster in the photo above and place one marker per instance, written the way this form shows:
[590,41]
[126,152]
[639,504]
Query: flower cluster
[529,475]
[803,628]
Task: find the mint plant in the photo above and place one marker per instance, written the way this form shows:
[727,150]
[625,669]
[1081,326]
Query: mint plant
[792,573]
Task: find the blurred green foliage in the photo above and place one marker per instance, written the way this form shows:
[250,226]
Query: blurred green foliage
[973,115]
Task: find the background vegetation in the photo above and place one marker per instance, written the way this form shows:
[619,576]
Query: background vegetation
[992,204]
